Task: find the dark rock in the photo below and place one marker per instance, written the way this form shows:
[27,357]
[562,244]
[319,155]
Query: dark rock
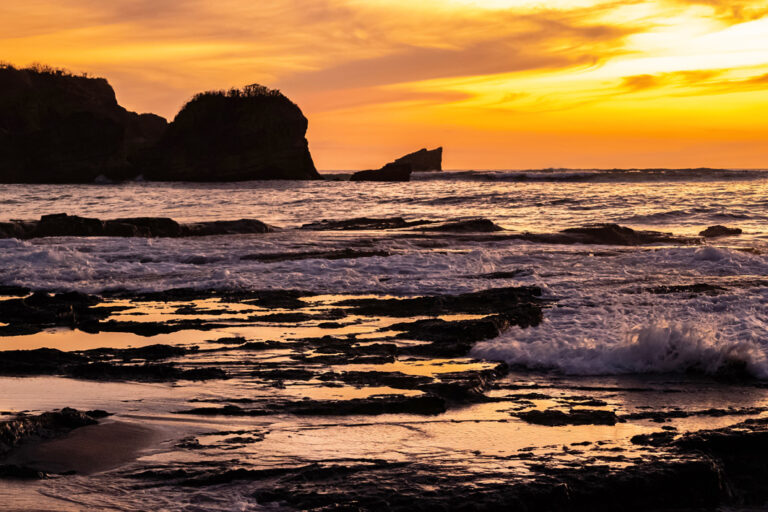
[423,160]
[495,300]
[456,338]
[144,372]
[605,234]
[363,224]
[59,128]
[428,405]
[555,418]
[390,172]
[396,380]
[466,226]
[288,374]
[150,226]
[14,291]
[226,227]
[654,439]
[44,426]
[718,231]
[61,224]
[251,134]
[43,361]
[41,310]
[14,472]
[613,234]
[467,386]
[148,353]
[234,340]
[98,414]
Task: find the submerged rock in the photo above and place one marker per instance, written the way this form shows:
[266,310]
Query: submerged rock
[251,134]
[56,127]
[719,231]
[363,223]
[466,226]
[423,160]
[390,172]
[606,234]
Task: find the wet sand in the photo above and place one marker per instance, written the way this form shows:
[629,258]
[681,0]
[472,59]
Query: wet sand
[88,450]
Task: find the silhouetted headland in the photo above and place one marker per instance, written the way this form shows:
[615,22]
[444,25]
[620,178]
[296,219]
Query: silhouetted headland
[251,134]
[56,127]
[60,128]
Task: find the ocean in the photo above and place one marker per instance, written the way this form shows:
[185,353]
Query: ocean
[667,320]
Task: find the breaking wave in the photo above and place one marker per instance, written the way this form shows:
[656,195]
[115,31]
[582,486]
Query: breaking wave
[658,347]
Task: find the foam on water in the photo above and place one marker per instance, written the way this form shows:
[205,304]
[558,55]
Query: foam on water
[605,319]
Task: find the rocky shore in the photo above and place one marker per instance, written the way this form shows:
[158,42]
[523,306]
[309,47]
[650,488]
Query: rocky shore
[72,225]
[370,366]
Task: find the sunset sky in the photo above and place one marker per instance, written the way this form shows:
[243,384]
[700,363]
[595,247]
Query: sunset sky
[500,83]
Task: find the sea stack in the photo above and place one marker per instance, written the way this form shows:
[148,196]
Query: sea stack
[254,133]
[56,127]
[423,160]
[390,172]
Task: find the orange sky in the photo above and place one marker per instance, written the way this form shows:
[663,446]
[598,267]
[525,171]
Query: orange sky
[500,83]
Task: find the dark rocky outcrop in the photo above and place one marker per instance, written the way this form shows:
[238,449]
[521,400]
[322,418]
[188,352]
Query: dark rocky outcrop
[390,172]
[523,299]
[384,404]
[251,134]
[466,226]
[60,128]
[363,223]
[61,224]
[56,127]
[718,231]
[606,234]
[44,426]
[423,160]
[554,418]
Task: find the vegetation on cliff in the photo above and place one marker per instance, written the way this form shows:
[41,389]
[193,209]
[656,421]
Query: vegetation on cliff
[57,127]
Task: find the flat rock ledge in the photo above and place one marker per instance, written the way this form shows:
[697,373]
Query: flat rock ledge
[61,224]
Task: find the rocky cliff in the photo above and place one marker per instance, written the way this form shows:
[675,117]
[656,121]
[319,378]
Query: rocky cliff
[250,134]
[60,128]
[56,127]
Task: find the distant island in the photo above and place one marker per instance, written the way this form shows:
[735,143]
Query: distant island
[423,160]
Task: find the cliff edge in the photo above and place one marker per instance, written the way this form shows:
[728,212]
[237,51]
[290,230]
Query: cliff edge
[56,127]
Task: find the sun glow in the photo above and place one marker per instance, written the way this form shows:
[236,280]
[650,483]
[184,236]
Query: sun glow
[499,83]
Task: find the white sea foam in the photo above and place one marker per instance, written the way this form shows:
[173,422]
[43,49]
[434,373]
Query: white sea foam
[659,346]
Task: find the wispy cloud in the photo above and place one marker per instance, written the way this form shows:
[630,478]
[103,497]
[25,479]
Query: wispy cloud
[448,68]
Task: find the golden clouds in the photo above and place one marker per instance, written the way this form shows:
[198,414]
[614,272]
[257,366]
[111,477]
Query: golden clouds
[500,83]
